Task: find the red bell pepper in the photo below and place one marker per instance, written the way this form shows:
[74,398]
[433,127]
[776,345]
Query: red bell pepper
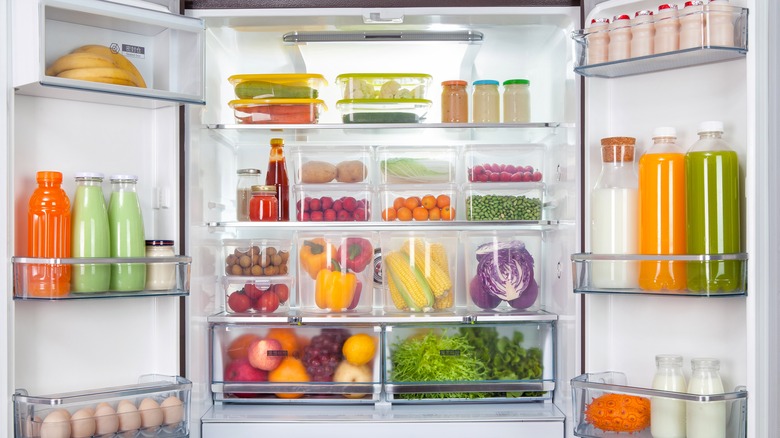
[356,253]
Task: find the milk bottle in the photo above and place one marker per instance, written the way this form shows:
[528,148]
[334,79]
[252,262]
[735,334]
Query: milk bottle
[667,29]
[620,38]
[667,415]
[642,34]
[692,23]
[598,41]
[705,419]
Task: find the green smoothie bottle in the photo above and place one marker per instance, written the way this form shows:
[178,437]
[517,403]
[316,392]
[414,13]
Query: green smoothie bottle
[713,211]
[127,234]
[90,236]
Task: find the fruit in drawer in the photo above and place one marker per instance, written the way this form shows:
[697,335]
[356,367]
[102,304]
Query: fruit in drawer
[619,413]
[257,262]
[98,64]
[346,208]
[291,370]
[420,208]
[238,347]
[359,349]
[266,354]
[323,354]
[350,373]
[282,291]
[267,303]
[239,302]
[241,370]
[288,339]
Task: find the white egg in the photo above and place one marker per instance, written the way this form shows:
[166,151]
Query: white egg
[56,425]
[106,421]
[82,423]
[129,418]
[32,426]
[151,413]
[173,410]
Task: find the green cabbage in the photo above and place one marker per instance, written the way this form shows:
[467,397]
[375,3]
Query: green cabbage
[415,170]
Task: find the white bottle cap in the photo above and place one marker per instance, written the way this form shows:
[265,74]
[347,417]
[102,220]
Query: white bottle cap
[123,177]
[710,126]
[664,131]
[89,175]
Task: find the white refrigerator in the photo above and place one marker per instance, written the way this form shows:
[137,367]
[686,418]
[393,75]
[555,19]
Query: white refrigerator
[180,136]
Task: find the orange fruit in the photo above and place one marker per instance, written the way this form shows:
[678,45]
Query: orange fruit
[442,201]
[290,370]
[447,214]
[288,339]
[398,202]
[238,347]
[412,202]
[389,214]
[428,201]
[359,349]
[434,214]
[404,214]
[420,214]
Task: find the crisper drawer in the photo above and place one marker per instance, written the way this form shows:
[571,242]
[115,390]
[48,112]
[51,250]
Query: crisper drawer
[308,364]
[485,362]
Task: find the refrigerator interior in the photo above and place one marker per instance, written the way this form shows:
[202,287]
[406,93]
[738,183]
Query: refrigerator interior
[532,43]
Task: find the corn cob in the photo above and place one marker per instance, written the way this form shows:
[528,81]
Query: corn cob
[398,300]
[409,282]
[439,256]
[445,301]
[438,279]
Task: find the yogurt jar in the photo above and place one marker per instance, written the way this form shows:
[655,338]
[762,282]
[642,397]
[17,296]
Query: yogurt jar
[160,276]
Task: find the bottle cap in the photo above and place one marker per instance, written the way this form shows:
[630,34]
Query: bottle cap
[710,126]
[123,177]
[599,21]
[159,243]
[49,175]
[666,6]
[517,81]
[277,142]
[458,82]
[248,171]
[486,82]
[664,131]
[705,362]
[668,359]
[694,3]
[89,175]
[620,17]
[263,188]
[643,12]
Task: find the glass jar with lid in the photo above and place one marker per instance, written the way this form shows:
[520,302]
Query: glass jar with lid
[454,102]
[263,207]
[517,101]
[160,276]
[486,102]
[246,179]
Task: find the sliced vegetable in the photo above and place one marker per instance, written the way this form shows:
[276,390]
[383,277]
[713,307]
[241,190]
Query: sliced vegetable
[505,269]
[416,170]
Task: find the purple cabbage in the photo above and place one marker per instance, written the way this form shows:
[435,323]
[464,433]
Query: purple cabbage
[480,298]
[506,270]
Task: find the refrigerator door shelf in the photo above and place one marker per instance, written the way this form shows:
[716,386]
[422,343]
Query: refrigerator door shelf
[174,271]
[588,387]
[589,270]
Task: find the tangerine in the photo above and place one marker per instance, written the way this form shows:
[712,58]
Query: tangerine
[442,201]
[290,370]
[239,347]
[447,213]
[389,214]
[434,214]
[420,213]
[398,202]
[428,201]
[404,214]
[359,349]
[288,339]
[412,202]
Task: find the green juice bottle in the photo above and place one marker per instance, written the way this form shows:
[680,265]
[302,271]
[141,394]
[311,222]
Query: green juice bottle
[90,235]
[127,234]
[713,211]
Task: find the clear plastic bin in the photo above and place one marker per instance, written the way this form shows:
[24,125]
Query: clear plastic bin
[416,165]
[331,164]
[277,111]
[383,110]
[503,201]
[418,202]
[504,163]
[260,296]
[384,85]
[333,202]
[256,258]
[277,86]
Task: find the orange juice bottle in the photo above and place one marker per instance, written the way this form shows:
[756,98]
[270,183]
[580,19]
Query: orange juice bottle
[48,225]
[662,212]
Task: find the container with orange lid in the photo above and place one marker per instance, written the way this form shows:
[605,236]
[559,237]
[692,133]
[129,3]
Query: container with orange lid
[273,111]
[454,102]
[277,86]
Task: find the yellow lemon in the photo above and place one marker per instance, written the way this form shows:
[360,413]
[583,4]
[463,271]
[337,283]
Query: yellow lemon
[359,349]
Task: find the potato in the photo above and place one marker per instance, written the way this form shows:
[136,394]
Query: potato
[317,172]
[351,171]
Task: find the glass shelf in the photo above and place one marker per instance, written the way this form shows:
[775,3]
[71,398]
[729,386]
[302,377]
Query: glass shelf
[592,273]
[171,276]
[393,226]
[587,387]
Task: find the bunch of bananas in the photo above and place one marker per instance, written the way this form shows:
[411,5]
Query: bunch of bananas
[97,63]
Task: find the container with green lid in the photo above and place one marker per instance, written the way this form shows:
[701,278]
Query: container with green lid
[384,85]
[517,101]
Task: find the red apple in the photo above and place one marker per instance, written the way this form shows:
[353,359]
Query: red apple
[317,216]
[259,356]
[349,203]
[239,302]
[338,205]
[315,205]
[360,214]
[326,202]
[240,370]
[343,216]
[330,214]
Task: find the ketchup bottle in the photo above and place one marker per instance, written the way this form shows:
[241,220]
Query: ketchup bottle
[277,176]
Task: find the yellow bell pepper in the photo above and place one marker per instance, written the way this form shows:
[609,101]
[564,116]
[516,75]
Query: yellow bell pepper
[315,255]
[334,290]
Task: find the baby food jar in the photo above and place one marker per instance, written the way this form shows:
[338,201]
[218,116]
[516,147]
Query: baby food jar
[486,102]
[454,102]
[517,101]
[160,276]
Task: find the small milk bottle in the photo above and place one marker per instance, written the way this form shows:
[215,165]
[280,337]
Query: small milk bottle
[613,215]
[692,24]
[90,234]
[620,38]
[127,234]
[598,41]
[667,415]
[642,34]
[667,29]
[705,419]
[720,27]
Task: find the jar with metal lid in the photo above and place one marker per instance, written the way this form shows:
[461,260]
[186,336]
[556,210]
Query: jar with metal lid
[263,207]
[454,102]
[517,101]
[486,102]
[246,179]
[160,276]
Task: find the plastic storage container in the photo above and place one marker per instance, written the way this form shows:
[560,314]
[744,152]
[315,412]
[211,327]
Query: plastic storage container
[277,86]
[384,86]
[256,258]
[277,111]
[504,163]
[417,164]
[419,271]
[263,296]
[418,202]
[503,270]
[331,164]
[333,202]
[383,110]
[335,271]
[267,363]
[503,201]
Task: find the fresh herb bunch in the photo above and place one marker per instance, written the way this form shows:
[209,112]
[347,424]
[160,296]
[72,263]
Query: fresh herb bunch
[425,359]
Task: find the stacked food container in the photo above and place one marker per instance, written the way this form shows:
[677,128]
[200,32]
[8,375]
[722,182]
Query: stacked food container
[277,98]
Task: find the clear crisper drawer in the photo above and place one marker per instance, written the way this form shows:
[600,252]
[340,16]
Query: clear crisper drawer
[716,275]
[604,406]
[277,363]
[72,278]
[491,362]
[156,406]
